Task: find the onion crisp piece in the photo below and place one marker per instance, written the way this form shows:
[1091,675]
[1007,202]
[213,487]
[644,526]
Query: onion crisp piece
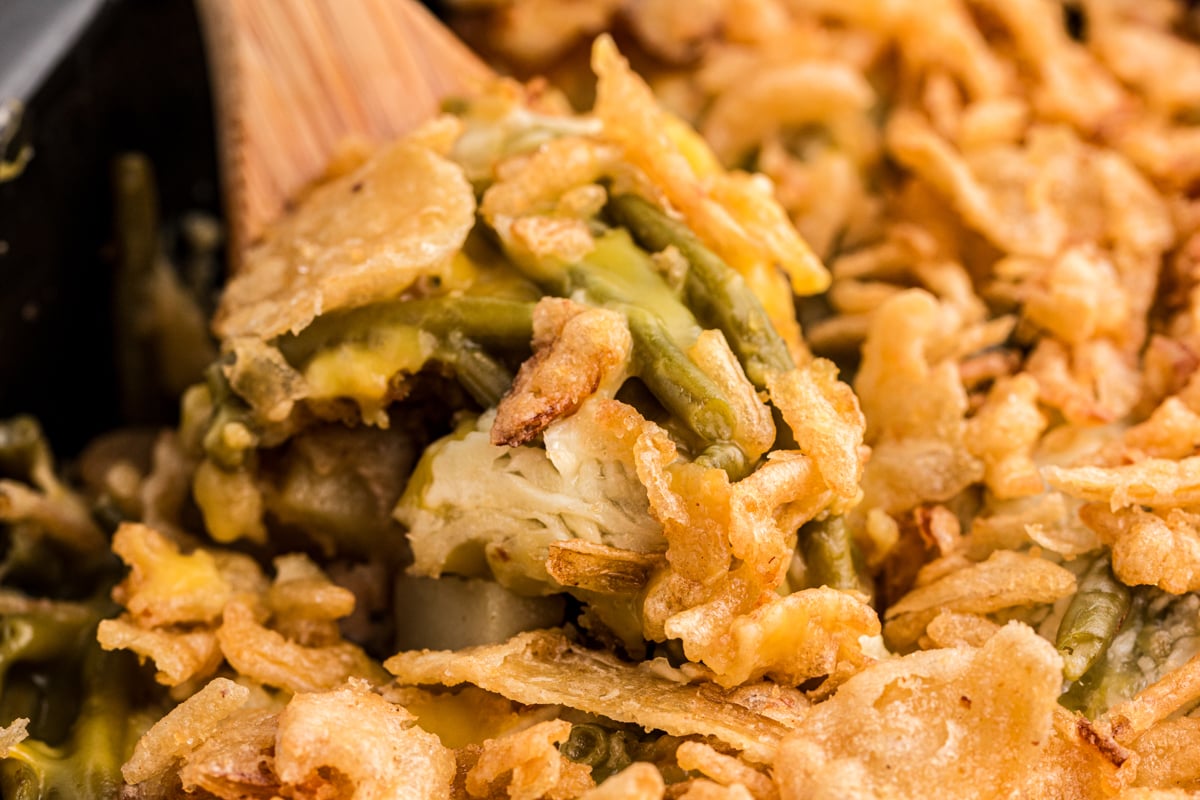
[724,769]
[1147,548]
[969,722]
[575,348]
[238,761]
[532,763]
[1167,755]
[361,238]
[179,655]
[1154,482]
[1005,580]
[825,418]
[267,656]
[183,729]
[543,667]
[638,781]
[352,735]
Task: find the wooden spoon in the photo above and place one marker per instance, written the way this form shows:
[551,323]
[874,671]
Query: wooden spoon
[294,80]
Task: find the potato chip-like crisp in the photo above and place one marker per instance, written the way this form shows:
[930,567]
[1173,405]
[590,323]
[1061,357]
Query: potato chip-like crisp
[638,781]
[364,237]
[1005,580]
[270,658]
[1154,482]
[544,667]
[530,763]
[184,728]
[352,743]
[969,721]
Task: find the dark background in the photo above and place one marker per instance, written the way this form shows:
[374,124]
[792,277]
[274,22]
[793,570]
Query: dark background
[134,81]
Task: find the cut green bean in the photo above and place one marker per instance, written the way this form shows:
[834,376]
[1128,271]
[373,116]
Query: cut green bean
[828,552]
[230,413]
[1092,619]
[715,292]
[681,386]
[1114,675]
[488,321]
[684,389]
[587,744]
[484,378]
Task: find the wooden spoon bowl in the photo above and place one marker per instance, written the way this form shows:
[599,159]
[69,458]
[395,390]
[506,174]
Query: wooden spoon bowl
[295,80]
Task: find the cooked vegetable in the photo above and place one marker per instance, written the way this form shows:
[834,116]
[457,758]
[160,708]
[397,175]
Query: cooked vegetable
[1092,619]
[718,295]
[829,555]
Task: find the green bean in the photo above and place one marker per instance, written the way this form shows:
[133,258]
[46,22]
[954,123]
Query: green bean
[716,293]
[727,456]
[681,386]
[621,276]
[484,378]
[230,412]
[587,744]
[488,321]
[684,389]
[828,552]
[1092,619]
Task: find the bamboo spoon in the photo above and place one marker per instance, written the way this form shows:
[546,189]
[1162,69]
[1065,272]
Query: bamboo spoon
[294,80]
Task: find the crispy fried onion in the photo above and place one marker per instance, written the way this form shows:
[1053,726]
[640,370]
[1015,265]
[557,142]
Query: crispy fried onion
[736,216]
[727,613]
[1178,689]
[1006,580]
[183,728]
[826,422]
[725,770]
[527,765]
[15,732]
[915,409]
[543,667]
[968,721]
[346,742]
[361,238]
[1157,548]
[576,351]
[1154,482]
[353,743]
[1167,755]
[190,612]
[540,204]
[1003,434]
